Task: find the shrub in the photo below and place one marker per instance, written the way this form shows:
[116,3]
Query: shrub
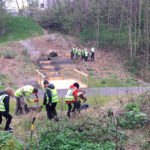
[10,54]
[132,118]
[7,141]
[87,34]
[25,52]
[2,76]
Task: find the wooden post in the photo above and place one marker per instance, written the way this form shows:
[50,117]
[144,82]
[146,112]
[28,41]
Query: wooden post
[88,81]
[62,72]
[80,77]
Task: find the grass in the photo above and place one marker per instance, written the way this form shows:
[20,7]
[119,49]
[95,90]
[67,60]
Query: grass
[96,82]
[19,28]
[92,129]
[5,79]
[3,88]
[10,54]
[93,101]
[65,129]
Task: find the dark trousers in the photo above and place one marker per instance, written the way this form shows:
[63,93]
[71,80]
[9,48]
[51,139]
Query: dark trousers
[21,106]
[8,119]
[70,108]
[72,55]
[51,110]
[86,58]
[83,57]
[92,56]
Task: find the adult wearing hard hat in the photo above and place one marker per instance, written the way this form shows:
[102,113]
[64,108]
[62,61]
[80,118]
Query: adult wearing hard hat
[50,100]
[20,94]
[4,107]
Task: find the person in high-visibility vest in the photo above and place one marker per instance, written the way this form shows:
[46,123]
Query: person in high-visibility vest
[50,100]
[92,53]
[4,107]
[72,52]
[86,55]
[82,54]
[20,94]
[71,98]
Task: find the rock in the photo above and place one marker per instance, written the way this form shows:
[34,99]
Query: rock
[53,54]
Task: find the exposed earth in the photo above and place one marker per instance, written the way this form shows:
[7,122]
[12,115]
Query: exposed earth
[28,52]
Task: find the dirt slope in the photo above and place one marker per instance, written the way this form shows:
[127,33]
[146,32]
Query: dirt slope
[106,65]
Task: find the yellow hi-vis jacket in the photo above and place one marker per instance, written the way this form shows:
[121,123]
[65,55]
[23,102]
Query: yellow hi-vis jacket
[25,91]
[2,107]
[69,96]
[92,50]
[53,94]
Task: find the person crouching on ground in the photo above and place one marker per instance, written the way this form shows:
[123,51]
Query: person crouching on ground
[80,96]
[50,100]
[71,98]
[24,93]
[4,107]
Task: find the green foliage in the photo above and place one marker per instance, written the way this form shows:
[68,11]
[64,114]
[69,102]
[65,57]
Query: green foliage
[2,27]
[2,76]
[19,28]
[132,118]
[10,54]
[132,107]
[86,134]
[108,36]
[8,142]
[146,145]
[89,69]
[135,66]
[87,34]
[96,82]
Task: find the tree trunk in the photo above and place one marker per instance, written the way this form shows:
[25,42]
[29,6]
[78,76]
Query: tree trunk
[129,31]
[18,7]
[147,32]
[139,30]
[98,23]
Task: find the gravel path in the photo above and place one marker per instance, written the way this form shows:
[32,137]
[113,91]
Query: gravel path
[110,91]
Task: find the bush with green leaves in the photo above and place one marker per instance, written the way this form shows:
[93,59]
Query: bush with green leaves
[10,54]
[86,134]
[132,118]
[9,142]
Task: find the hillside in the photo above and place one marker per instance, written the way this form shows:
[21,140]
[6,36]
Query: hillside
[106,70]
[19,28]
[95,128]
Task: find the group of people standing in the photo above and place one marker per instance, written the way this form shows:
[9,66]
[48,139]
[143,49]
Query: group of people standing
[50,99]
[82,54]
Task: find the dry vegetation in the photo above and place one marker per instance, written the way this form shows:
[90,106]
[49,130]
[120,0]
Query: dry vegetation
[26,53]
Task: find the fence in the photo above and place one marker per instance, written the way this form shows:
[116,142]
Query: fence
[75,74]
[40,78]
[66,74]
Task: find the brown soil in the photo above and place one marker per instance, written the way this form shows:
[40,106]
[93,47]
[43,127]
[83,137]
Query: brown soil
[106,64]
